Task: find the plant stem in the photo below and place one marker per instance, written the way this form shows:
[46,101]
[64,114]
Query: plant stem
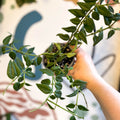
[42,103]
[84,98]
[65,109]
[101,30]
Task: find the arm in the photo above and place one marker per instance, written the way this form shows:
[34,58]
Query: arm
[106,95]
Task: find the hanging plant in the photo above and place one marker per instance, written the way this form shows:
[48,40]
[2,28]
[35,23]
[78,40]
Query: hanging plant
[56,57]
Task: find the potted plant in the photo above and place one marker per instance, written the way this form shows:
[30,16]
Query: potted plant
[59,58]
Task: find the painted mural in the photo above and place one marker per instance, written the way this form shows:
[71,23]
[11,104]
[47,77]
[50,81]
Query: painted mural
[37,25]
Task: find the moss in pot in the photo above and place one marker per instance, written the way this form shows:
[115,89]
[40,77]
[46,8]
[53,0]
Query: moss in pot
[84,25]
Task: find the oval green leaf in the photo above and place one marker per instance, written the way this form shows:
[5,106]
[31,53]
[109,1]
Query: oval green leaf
[44,88]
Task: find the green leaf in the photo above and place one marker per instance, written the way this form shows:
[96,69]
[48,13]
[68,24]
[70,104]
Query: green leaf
[82,36]
[39,60]
[73,94]
[69,55]
[46,81]
[22,47]
[30,50]
[47,71]
[58,45]
[111,33]
[20,2]
[30,1]
[3,48]
[58,85]
[44,88]
[81,107]
[98,38]
[72,118]
[77,12]
[63,36]
[12,55]
[70,29]
[11,72]
[50,106]
[103,10]
[95,15]
[20,63]
[27,84]
[59,78]
[20,79]
[90,1]
[116,17]
[80,83]
[86,6]
[107,20]
[27,60]
[71,105]
[52,97]
[89,24]
[75,21]
[16,86]
[7,39]
[110,8]
[101,1]
[30,74]
[58,93]
[17,69]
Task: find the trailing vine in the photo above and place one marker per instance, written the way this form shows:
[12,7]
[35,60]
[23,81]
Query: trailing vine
[84,25]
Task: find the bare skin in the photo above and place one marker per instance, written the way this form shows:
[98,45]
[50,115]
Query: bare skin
[106,95]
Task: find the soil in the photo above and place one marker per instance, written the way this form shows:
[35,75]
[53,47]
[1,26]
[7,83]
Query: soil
[65,61]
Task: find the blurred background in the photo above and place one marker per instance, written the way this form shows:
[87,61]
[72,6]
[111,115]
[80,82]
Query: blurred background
[37,24]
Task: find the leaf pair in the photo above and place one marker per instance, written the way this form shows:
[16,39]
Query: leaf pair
[13,70]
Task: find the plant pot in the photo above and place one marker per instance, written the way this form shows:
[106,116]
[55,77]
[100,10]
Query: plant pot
[56,54]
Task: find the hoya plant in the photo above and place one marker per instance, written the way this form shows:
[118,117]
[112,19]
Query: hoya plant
[59,58]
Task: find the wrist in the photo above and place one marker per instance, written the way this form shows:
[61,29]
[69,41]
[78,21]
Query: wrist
[94,82]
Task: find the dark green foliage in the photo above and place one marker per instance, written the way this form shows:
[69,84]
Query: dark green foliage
[81,107]
[71,105]
[12,55]
[16,86]
[30,74]
[50,106]
[70,29]
[30,50]
[47,71]
[95,15]
[111,33]
[58,85]
[44,88]
[75,21]
[58,93]
[13,70]
[63,36]
[98,38]
[85,6]
[73,94]
[77,12]
[58,57]
[20,63]
[7,39]
[21,2]
[107,20]
[72,118]
[27,60]
[103,11]
[46,81]
[20,79]
[39,60]
[89,24]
